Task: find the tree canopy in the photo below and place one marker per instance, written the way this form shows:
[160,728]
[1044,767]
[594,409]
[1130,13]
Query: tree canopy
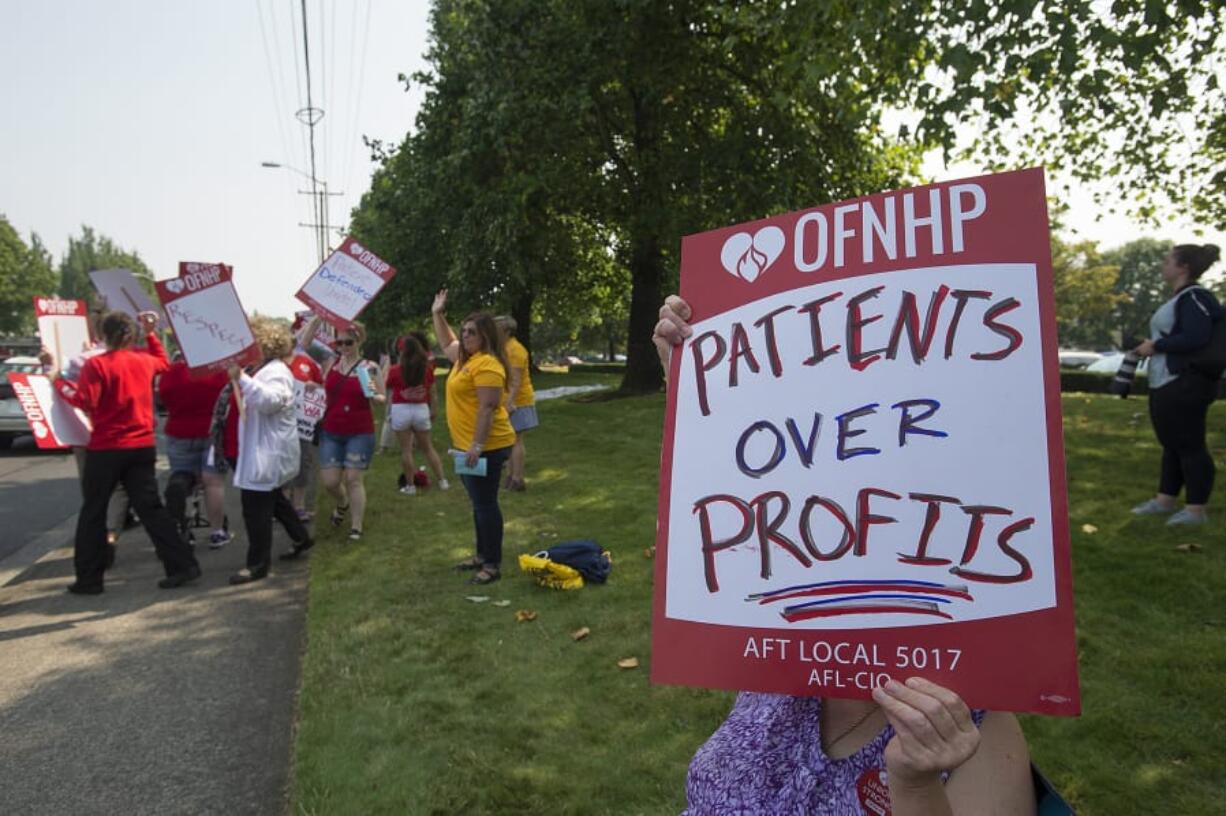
[91,252]
[25,273]
[564,147]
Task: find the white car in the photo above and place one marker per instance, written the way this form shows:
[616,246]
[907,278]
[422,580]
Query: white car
[1070,358]
[1110,363]
[12,420]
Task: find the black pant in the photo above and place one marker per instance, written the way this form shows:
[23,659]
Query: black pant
[259,509]
[1178,411]
[487,515]
[134,469]
[178,488]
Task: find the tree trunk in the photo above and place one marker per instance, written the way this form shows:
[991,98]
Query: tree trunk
[643,372]
[521,310]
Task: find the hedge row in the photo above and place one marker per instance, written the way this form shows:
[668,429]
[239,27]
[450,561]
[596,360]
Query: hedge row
[1090,383]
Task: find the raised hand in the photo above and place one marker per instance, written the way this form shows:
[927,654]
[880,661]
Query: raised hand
[148,320]
[673,327]
[440,302]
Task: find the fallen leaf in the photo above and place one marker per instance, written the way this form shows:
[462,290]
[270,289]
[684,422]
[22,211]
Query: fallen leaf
[580,634]
[628,663]
[502,603]
[1191,546]
[525,615]
[1089,529]
[650,552]
[477,598]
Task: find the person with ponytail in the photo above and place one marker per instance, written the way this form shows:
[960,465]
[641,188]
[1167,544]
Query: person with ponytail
[1179,392]
[115,390]
[410,389]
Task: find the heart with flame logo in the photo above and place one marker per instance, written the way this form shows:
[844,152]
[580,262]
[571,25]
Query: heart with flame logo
[356,249]
[40,430]
[175,285]
[42,304]
[747,256]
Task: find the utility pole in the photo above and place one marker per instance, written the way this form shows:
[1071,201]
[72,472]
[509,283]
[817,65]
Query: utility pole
[310,116]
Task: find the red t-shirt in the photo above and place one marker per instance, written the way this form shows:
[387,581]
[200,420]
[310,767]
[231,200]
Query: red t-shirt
[306,369]
[189,400]
[229,436]
[116,391]
[401,394]
[348,408]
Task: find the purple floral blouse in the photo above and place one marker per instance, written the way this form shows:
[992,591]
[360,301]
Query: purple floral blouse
[767,758]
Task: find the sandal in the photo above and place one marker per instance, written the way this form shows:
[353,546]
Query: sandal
[474,563]
[486,575]
[338,515]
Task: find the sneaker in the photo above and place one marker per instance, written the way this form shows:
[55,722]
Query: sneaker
[443,484]
[1152,508]
[219,539]
[401,481]
[1186,516]
[408,490]
[355,535]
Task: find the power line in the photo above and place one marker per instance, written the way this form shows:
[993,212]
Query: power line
[272,80]
[361,83]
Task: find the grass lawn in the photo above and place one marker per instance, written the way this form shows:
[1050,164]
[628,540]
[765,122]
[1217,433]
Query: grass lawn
[417,700]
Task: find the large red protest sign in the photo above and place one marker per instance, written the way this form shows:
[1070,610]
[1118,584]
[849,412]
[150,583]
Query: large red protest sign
[63,327]
[207,317]
[863,470]
[345,283]
[55,424]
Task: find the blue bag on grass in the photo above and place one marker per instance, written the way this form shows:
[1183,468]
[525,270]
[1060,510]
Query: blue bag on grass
[585,556]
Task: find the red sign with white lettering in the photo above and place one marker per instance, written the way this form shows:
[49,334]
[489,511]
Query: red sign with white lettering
[863,468]
[207,317]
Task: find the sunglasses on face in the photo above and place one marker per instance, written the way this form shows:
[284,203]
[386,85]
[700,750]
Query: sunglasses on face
[344,342]
[468,331]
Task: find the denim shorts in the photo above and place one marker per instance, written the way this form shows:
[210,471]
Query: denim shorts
[188,454]
[352,451]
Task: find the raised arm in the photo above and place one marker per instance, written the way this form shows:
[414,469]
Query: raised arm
[267,396]
[442,331]
[306,334]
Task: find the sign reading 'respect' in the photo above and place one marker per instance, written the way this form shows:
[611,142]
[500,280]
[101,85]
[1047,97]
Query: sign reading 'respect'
[346,283]
[207,318]
[863,472]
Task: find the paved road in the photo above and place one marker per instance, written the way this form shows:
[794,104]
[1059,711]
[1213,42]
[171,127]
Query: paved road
[142,700]
[38,491]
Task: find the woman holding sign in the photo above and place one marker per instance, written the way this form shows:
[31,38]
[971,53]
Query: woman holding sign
[116,390]
[1180,393]
[477,421]
[347,437]
[914,748]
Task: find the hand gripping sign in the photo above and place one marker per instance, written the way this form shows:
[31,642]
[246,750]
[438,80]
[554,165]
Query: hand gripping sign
[345,284]
[863,471]
[63,327]
[55,424]
[207,318]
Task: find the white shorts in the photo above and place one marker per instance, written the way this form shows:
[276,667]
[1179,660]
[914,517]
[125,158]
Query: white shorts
[410,416]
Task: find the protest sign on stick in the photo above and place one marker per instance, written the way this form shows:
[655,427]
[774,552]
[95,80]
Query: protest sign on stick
[345,283]
[207,318]
[123,292]
[863,469]
[55,424]
[63,327]
[310,406]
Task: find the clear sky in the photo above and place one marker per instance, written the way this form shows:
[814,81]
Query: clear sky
[148,120]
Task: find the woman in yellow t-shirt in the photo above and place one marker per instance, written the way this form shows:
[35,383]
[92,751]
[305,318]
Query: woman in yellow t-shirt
[477,421]
[521,398]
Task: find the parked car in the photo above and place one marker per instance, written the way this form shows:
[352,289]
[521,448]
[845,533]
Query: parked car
[1074,359]
[12,420]
[1110,363]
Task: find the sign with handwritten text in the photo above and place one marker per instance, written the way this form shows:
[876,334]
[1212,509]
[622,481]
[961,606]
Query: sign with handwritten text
[121,291]
[345,284]
[207,318]
[63,327]
[55,424]
[310,405]
[863,470]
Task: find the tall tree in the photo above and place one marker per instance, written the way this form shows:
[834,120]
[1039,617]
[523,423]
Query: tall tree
[90,252]
[1140,285]
[25,273]
[1086,295]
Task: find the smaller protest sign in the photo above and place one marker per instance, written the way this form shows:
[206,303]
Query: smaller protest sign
[311,403]
[345,283]
[63,327]
[55,424]
[207,318]
[123,292]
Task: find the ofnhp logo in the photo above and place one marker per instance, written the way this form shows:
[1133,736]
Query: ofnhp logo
[747,256]
[175,285]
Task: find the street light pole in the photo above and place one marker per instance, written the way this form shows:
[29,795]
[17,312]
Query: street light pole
[319,204]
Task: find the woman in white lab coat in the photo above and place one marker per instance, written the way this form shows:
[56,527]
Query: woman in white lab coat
[267,449]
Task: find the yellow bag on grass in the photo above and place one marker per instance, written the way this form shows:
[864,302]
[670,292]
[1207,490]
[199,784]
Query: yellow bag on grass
[551,574]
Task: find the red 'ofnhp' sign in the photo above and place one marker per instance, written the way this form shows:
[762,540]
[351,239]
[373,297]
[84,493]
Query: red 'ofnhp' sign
[55,424]
[345,284]
[863,470]
[63,327]
[207,317]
